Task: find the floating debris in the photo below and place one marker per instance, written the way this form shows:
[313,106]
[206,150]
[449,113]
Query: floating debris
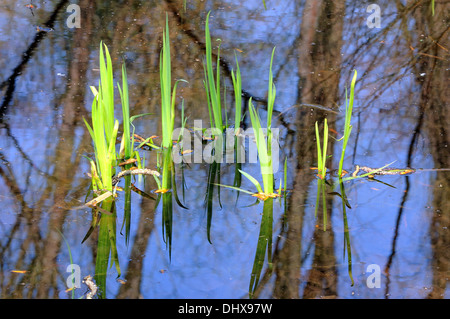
[43,29]
[135,171]
[128,161]
[93,203]
[31,7]
[91,285]
[386,171]
[186,152]
[264,196]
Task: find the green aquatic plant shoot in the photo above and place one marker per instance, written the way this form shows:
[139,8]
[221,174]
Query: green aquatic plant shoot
[271,94]
[166,188]
[263,148]
[168,95]
[347,123]
[127,142]
[322,151]
[104,126]
[126,150]
[238,150]
[213,97]
[237,85]
[322,170]
[167,124]
[263,144]
[212,83]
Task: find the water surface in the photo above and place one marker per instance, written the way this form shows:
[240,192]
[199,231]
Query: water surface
[401,114]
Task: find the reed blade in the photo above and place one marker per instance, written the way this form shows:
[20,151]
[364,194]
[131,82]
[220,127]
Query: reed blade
[265,159]
[127,140]
[237,85]
[348,117]
[212,81]
[253,180]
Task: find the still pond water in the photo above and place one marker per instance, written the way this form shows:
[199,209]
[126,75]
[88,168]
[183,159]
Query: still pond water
[396,228]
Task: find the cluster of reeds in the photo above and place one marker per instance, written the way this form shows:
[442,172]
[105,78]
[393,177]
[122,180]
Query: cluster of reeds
[212,85]
[263,138]
[322,170]
[104,177]
[322,150]
[104,130]
[167,187]
[219,122]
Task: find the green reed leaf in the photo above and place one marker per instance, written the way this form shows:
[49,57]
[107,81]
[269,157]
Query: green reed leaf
[253,180]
